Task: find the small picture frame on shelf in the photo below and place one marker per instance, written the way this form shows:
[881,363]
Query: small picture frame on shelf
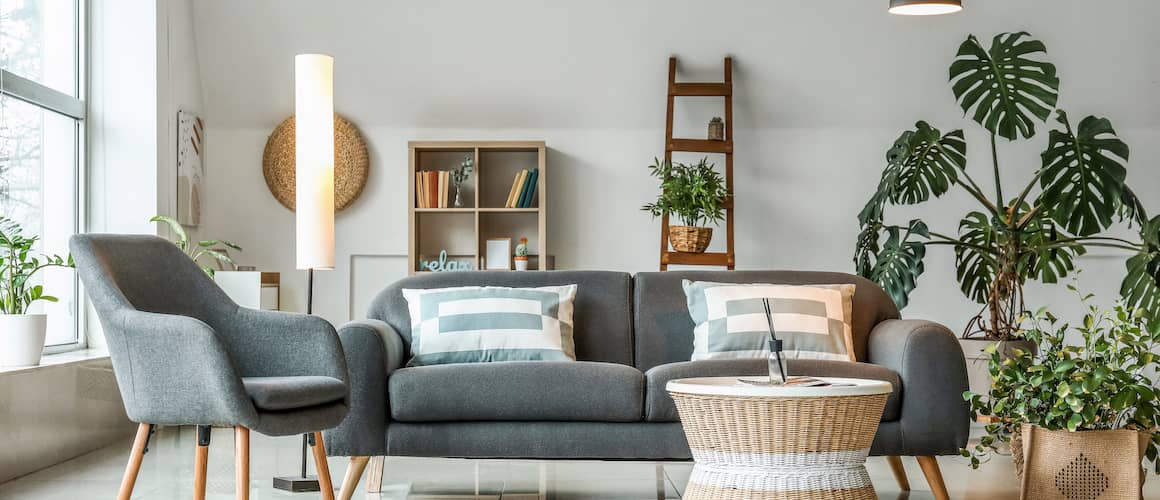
[498,254]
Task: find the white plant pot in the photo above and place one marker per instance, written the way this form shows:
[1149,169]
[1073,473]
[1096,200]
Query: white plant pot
[22,339]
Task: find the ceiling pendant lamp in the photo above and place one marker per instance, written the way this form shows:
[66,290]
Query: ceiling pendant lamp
[925,7]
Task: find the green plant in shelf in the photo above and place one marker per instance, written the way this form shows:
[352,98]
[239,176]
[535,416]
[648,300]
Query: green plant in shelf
[205,249]
[1077,193]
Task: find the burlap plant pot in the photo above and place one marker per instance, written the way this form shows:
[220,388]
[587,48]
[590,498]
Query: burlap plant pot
[690,239]
[1084,465]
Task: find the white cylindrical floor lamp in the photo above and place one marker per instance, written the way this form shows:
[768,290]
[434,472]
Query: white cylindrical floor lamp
[314,193]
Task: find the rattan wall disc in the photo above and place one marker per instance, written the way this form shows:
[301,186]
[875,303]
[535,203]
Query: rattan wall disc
[351,163]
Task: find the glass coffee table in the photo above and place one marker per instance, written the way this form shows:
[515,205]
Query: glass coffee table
[763,441]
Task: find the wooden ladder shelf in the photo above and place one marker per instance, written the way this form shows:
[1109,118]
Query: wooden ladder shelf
[712,89]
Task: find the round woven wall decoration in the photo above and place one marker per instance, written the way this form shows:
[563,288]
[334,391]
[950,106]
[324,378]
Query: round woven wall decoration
[351,163]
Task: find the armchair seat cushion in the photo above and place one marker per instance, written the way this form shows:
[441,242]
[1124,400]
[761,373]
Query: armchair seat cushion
[581,391]
[289,393]
[659,405]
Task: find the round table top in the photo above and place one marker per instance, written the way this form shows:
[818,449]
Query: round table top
[733,386]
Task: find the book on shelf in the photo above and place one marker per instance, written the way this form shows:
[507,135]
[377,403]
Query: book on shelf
[432,189]
[442,190]
[420,198]
[529,190]
[517,185]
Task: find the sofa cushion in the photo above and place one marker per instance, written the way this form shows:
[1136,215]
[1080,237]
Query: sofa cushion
[602,314]
[659,405]
[518,390]
[288,393]
[663,330]
[474,324]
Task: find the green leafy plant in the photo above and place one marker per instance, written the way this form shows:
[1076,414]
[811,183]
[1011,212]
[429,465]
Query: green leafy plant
[211,249]
[459,175]
[695,194]
[1101,383]
[1077,192]
[18,265]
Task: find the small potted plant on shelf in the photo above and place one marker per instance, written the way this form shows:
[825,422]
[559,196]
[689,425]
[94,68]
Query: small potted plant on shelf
[459,176]
[695,194]
[217,250]
[1081,414]
[22,334]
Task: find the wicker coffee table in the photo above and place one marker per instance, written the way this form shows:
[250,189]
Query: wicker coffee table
[752,441]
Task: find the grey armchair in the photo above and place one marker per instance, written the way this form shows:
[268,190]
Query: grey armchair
[185,354]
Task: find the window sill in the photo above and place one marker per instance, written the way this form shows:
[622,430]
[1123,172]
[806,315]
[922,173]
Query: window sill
[60,359]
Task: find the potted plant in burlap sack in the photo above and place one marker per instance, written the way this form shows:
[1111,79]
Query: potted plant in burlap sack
[22,332]
[1082,414]
[696,195]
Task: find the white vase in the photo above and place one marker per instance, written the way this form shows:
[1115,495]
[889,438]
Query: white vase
[22,339]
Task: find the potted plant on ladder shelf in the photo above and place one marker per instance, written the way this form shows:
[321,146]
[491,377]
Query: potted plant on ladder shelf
[22,334]
[695,194]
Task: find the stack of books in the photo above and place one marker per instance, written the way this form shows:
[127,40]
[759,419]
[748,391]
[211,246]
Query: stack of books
[432,189]
[523,189]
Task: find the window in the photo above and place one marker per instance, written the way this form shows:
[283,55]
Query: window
[42,115]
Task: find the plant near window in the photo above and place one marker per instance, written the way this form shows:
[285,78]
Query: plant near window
[1076,194]
[1101,383]
[201,250]
[695,195]
[18,265]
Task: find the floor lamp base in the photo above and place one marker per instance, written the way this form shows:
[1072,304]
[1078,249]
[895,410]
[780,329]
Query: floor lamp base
[296,484]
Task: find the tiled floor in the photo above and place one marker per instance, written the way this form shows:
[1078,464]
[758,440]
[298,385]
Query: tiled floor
[167,470]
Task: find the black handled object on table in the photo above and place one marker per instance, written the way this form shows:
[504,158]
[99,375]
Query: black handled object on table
[775,344]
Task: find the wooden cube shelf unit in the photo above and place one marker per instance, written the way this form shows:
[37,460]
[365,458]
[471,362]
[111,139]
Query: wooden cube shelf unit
[463,232]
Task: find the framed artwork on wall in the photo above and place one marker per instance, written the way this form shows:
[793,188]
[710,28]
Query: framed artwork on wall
[190,150]
[498,252]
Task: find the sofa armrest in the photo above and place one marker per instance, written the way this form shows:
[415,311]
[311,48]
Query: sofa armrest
[374,351]
[928,358]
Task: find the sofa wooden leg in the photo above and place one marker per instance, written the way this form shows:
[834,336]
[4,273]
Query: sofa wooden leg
[200,461]
[242,463]
[899,472]
[134,465]
[933,477]
[354,472]
[375,477]
[323,468]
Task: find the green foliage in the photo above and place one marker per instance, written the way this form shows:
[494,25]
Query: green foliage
[205,249]
[1004,85]
[18,265]
[695,194]
[1100,383]
[1036,235]
[459,175]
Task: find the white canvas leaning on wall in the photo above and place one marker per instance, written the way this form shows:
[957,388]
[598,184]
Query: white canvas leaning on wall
[190,132]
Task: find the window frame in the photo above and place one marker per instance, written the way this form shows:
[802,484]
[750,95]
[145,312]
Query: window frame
[51,100]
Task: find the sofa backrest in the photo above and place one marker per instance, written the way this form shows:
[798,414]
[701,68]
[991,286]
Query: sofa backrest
[664,329]
[602,317]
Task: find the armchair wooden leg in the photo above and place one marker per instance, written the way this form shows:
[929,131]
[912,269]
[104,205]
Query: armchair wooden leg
[899,472]
[134,465]
[375,478]
[354,472]
[933,477]
[200,462]
[323,468]
[242,463]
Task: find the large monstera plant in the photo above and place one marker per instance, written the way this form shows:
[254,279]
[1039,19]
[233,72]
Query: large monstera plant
[1076,194]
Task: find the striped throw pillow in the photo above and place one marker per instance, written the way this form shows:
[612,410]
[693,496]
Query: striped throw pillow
[484,324]
[812,321]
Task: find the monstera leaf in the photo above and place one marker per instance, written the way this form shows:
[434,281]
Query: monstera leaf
[976,262]
[920,163]
[1045,257]
[928,163]
[1141,287]
[1004,86]
[1083,175]
[866,250]
[898,263]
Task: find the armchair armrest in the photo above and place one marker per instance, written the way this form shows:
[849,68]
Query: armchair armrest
[374,351]
[934,418]
[170,358]
[274,343]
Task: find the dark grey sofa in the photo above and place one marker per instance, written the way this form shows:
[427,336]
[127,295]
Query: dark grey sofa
[633,334]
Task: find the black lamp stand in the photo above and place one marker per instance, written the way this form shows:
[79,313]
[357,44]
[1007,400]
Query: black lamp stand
[302,482]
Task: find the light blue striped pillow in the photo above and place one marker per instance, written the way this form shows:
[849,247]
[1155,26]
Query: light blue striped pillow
[484,324]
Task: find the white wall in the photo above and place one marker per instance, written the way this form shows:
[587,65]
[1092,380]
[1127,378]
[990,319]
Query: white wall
[822,90]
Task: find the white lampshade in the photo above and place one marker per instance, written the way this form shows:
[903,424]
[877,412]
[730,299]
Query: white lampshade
[314,160]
